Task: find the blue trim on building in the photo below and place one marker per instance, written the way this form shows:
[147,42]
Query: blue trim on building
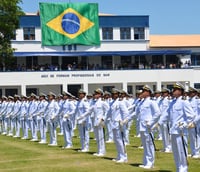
[29,21]
[124,21]
[104,21]
[102,53]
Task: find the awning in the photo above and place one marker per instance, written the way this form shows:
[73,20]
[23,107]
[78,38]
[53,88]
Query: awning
[104,53]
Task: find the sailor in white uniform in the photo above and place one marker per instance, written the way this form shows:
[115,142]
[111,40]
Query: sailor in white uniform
[194,132]
[118,112]
[67,111]
[180,115]
[40,114]
[51,115]
[83,122]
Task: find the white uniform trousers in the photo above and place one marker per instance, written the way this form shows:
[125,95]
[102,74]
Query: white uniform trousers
[126,134]
[61,124]
[43,129]
[149,149]
[33,125]
[53,134]
[109,131]
[12,125]
[84,136]
[99,133]
[120,146]
[166,140]
[179,149]
[3,125]
[18,126]
[6,125]
[67,132]
[193,137]
[25,126]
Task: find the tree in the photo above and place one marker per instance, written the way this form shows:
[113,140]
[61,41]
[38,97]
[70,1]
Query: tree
[9,22]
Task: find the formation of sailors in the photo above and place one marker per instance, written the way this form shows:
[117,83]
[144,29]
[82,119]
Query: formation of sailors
[172,116]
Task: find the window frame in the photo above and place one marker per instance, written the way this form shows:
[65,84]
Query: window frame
[139,33]
[125,33]
[107,33]
[29,33]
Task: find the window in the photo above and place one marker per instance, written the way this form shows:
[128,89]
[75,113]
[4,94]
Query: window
[140,61]
[29,33]
[172,61]
[31,90]
[11,91]
[138,87]
[195,59]
[73,89]
[197,85]
[130,89]
[69,61]
[106,62]
[31,62]
[108,88]
[125,33]
[139,33]
[170,86]
[107,33]
[126,62]
[54,60]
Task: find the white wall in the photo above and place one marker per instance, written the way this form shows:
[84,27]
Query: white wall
[106,45]
[95,78]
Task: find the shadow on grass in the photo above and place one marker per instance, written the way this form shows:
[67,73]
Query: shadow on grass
[153,169]
[107,158]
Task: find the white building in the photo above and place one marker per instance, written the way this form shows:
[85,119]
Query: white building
[127,58]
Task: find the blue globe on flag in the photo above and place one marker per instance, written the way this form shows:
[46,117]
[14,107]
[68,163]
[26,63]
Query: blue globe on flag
[70,23]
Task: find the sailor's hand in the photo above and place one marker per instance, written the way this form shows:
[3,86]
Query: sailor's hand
[191,125]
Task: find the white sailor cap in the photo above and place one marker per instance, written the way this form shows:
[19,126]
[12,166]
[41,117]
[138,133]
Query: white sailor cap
[52,94]
[147,88]
[115,91]
[98,91]
[66,93]
[107,93]
[165,90]
[16,96]
[81,91]
[192,89]
[10,97]
[4,97]
[42,95]
[33,95]
[179,86]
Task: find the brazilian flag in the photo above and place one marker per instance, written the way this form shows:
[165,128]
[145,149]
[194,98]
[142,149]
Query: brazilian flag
[69,23]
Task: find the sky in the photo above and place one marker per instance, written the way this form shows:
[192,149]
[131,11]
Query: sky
[165,16]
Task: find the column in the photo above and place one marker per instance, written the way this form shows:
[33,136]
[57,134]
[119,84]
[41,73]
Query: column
[60,62]
[23,89]
[158,85]
[64,87]
[124,86]
[164,61]
[85,87]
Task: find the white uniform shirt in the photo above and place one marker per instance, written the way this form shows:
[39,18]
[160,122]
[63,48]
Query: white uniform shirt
[180,113]
[148,112]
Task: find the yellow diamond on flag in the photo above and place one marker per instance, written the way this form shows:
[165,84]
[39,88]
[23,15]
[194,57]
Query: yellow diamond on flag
[70,23]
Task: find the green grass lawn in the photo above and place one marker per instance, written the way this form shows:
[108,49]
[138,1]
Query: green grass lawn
[24,156]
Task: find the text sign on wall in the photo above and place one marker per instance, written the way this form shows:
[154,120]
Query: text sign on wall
[73,75]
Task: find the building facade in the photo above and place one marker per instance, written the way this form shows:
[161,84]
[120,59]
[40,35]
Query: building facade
[127,58]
